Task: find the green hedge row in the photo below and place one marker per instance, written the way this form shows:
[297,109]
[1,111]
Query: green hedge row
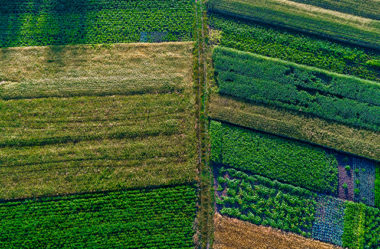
[295,47]
[285,14]
[361,226]
[377,186]
[35,23]
[158,218]
[265,202]
[274,157]
[259,79]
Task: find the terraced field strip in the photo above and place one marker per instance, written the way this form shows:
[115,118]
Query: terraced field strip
[88,70]
[368,8]
[51,22]
[53,145]
[232,233]
[141,218]
[306,90]
[306,18]
[314,51]
[357,141]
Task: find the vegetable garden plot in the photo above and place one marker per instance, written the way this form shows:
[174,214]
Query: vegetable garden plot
[143,218]
[301,89]
[52,22]
[262,201]
[295,47]
[364,181]
[329,219]
[285,160]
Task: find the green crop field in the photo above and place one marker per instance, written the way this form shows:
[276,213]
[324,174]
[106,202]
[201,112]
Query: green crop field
[296,47]
[277,158]
[357,141]
[264,80]
[190,124]
[36,23]
[157,218]
[316,21]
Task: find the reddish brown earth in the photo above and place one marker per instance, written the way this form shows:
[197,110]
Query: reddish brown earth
[233,233]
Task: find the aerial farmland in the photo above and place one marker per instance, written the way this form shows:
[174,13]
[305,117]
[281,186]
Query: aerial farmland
[226,124]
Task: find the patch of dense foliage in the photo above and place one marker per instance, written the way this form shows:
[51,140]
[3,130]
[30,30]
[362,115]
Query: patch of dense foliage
[141,218]
[274,42]
[358,31]
[274,157]
[361,226]
[263,80]
[265,202]
[36,23]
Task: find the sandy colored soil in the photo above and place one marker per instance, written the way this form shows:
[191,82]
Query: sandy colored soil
[232,233]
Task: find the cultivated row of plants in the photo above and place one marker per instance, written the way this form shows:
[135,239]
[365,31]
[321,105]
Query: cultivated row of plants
[361,226]
[52,22]
[143,218]
[290,46]
[295,17]
[274,157]
[264,80]
[265,202]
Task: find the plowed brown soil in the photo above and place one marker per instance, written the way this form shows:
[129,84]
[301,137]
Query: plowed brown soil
[232,233]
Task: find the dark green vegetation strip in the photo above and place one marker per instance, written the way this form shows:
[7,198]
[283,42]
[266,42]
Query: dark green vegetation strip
[274,157]
[337,136]
[377,186]
[340,27]
[265,202]
[295,47]
[299,88]
[158,218]
[94,143]
[52,22]
[367,8]
[361,226]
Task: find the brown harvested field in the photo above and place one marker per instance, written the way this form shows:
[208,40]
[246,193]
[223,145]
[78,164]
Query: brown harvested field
[232,234]
[361,142]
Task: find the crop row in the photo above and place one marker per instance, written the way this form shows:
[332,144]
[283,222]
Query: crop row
[368,8]
[265,202]
[143,218]
[299,48]
[291,15]
[285,123]
[262,201]
[274,157]
[361,226]
[264,80]
[119,23]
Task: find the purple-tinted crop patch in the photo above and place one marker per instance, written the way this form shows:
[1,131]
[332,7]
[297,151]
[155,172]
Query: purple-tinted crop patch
[346,178]
[364,181]
[329,220]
